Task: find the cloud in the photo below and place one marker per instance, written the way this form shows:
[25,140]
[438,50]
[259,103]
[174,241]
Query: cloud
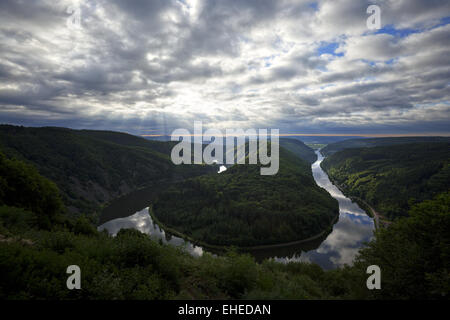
[301,66]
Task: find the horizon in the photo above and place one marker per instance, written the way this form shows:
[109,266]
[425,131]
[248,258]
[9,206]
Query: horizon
[368,135]
[364,135]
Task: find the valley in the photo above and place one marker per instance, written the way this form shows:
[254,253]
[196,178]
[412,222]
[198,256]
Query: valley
[294,235]
[392,178]
[325,248]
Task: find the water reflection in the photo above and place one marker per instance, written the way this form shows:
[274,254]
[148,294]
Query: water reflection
[143,222]
[349,234]
[332,250]
[341,245]
[345,204]
[222,169]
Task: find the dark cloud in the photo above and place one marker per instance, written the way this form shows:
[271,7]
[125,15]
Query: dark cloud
[166,63]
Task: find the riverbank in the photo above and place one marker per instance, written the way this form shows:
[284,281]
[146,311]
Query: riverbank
[379,219]
[136,200]
[321,248]
[223,248]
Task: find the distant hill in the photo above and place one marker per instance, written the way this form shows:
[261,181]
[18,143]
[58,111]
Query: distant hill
[300,149]
[374,142]
[93,167]
[243,208]
[392,178]
[323,139]
[157,138]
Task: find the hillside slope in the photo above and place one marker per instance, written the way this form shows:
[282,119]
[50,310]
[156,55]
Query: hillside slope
[413,254]
[378,142]
[93,167]
[300,149]
[392,178]
[243,208]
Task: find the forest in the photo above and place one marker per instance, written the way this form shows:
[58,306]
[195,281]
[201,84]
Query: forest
[300,149]
[93,167]
[413,254]
[243,208]
[377,142]
[393,178]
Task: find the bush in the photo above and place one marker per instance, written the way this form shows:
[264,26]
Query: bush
[22,186]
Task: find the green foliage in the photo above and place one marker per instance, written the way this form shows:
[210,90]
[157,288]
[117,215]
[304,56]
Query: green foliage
[33,263]
[243,208]
[394,177]
[300,149]
[378,142]
[239,274]
[110,269]
[132,266]
[13,219]
[93,167]
[22,186]
[82,225]
[413,253]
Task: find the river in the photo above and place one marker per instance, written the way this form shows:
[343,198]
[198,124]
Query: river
[353,228]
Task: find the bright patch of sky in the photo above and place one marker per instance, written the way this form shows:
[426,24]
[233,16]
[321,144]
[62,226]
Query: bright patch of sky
[301,66]
[329,48]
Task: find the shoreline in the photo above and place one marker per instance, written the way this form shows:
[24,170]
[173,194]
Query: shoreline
[205,245]
[212,247]
[370,211]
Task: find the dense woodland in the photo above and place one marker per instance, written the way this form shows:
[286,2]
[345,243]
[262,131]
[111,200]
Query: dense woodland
[413,254]
[241,207]
[392,178]
[300,149]
[377,142]
[93,167]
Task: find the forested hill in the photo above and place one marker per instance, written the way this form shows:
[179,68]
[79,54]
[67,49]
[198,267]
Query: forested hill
[392,178]
[300,149]
[243,208]
[38,242]
[378,142]
[93,167]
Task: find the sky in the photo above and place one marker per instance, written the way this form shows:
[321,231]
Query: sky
[149,67]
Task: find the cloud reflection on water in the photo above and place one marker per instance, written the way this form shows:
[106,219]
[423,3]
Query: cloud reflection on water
[349,234]
[143,222]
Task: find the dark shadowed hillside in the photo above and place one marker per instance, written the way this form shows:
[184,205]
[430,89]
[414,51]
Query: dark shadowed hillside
[300,149]
[378,142]
[38,242]
[93,167]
